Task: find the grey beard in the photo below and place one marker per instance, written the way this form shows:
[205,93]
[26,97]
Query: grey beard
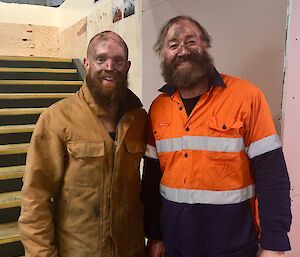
[202,68]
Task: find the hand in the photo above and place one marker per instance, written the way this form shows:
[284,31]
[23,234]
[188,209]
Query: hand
[156,248]
[268,253]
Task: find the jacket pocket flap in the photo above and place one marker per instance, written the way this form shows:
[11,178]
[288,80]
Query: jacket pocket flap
[134,146]
[85,149]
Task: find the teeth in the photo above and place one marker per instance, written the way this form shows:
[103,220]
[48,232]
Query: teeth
[109,79]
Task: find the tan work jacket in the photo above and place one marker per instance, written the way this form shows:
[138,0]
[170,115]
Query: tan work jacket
[81,192]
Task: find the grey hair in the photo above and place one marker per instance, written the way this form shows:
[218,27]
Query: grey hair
[205,37]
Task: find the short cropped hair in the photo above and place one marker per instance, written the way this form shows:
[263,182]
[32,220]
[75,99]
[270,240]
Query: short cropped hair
[104,35]
[205,37]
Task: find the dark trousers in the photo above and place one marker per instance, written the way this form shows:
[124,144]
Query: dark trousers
[198,230]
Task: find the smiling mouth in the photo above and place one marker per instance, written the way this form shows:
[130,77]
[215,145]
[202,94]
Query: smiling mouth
[109,78]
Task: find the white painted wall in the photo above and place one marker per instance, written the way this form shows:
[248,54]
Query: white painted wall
[291,120]
[248,41]
[28,14]
[72,11]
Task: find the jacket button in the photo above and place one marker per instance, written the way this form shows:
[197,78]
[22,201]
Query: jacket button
[180,108]
[187,129]
[224,127]
[186,155]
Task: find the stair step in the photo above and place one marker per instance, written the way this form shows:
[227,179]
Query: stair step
[21,111]
[13,149]
[12,172]
[37,70]
[34,95]
[9,232]
[10,200]
[10,129]
[40,82]
[35,59]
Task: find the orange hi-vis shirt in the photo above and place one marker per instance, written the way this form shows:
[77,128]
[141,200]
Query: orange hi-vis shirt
[205,157]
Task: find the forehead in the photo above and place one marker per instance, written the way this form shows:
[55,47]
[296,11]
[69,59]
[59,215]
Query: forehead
[182,28]
[108,43]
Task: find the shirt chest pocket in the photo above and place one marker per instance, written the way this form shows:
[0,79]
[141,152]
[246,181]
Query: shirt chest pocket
[221,127]
[85,163]
[226,137]
[161,130]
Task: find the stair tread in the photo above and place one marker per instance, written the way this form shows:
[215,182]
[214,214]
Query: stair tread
[33,95]
[21,111]
[13,148]
[9,232]
[12,172]
[40,82]
[39,70]
[9,129]
[35,59]
[10,199]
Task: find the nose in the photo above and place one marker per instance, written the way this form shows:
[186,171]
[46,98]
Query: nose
[182,50]
[109,64]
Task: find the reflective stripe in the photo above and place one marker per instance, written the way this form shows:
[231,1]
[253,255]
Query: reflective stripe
[263,145]
[217,144]
[151,152]
[193,196]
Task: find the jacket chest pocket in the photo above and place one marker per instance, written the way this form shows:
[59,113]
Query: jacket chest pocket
[85,166]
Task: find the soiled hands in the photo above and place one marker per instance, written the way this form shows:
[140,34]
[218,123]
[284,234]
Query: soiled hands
[156,248]
[268,253]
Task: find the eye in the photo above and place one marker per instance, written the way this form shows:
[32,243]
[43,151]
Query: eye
[173,46]
[118,61]
[191,42]
[100,60]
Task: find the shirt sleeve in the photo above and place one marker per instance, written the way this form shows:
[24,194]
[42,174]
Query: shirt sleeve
[150,189]
[42,178]
[269,169]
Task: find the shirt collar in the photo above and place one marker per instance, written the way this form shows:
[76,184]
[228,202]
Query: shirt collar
[217,81]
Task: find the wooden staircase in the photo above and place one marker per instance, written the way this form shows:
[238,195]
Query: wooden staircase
[28,85]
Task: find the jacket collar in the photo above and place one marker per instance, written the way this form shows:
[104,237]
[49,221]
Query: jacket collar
[217,81]
[129,101]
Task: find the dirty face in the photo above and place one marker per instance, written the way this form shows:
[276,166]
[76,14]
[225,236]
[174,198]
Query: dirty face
[185,60]
[107,68]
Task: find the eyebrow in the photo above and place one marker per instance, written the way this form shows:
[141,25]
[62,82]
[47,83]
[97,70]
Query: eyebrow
[174,39]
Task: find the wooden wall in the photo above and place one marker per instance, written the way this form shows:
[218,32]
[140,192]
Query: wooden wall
[73,41]
[28,40]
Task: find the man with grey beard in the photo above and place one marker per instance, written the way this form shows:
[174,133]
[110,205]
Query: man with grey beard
[215,182]
[81,192]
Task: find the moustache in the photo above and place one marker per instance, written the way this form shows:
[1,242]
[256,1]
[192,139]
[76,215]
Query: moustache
[191,57]
[111,74]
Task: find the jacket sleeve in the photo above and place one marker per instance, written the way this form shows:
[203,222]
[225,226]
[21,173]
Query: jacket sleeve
[42,178]
[271,178]
[150,189]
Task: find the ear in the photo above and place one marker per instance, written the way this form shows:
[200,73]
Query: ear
[128,64]
[86,64]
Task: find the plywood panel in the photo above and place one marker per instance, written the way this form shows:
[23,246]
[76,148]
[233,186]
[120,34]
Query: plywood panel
[72,41]
[28,40]
[129,29]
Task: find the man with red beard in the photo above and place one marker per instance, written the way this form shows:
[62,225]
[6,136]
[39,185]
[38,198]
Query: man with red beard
[81,192]
[214,165]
